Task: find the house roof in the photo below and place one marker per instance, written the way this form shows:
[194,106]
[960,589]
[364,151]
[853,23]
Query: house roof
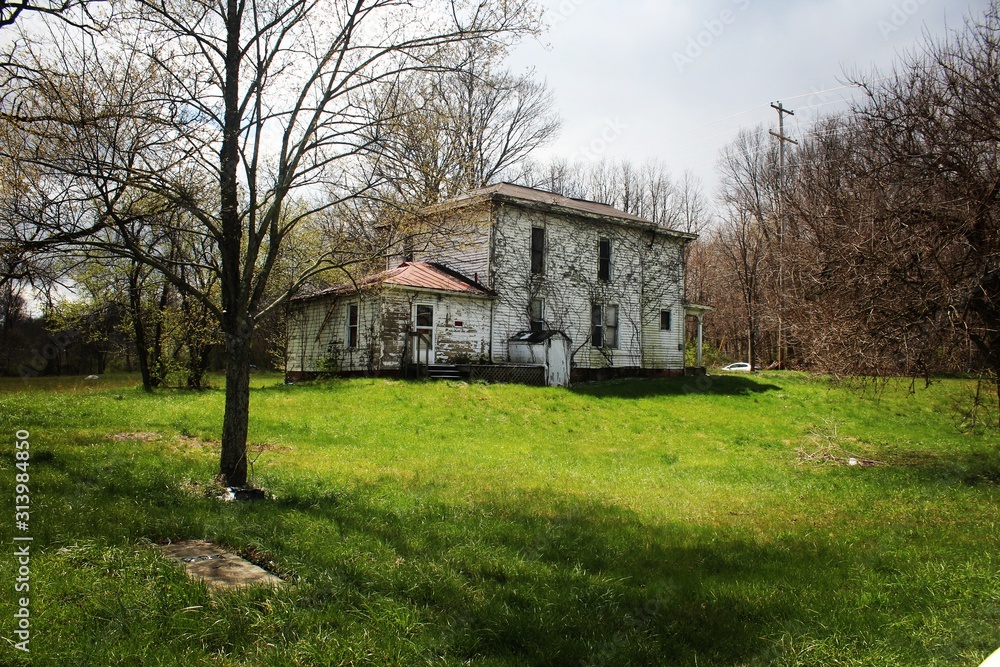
[550,201]
[416,275]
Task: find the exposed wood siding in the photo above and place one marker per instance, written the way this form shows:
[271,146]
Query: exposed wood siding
[463,245]
[663,289]
[318,330]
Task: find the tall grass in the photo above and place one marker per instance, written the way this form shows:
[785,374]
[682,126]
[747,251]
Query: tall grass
[642,522]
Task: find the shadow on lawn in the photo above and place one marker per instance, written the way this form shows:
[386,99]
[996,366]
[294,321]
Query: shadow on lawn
[711,385]
[528,577]
[550,581]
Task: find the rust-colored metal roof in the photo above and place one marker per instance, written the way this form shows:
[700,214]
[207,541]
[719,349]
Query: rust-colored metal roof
[430,275]
[531,197]
[417,275]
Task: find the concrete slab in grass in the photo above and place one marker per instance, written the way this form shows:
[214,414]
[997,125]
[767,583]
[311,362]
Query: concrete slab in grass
[218,568]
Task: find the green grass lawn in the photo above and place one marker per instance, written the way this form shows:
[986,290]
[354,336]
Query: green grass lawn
[642,522]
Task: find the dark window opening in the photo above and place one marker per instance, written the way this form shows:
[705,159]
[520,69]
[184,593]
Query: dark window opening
[665,320]
[604,263]
[597,325]
[352,325]
[604,326]
[425,318]
[536,314]
[537,250]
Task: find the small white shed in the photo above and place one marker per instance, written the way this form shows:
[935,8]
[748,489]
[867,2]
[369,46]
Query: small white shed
[551,349]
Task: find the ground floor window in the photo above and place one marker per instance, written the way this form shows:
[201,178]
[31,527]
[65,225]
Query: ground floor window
[352,325]
[604,325]
[536,314]
[665,320]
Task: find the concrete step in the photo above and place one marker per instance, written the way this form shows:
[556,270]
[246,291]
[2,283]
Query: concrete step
[444,372]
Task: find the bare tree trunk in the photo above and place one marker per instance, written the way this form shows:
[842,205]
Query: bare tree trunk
[138,329]
[157,359]
[996,380]
[235,421]
[235,325]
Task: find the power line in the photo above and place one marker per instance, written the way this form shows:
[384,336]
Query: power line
[782,140]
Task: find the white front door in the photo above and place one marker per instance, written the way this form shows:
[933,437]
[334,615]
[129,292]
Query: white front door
[423,323]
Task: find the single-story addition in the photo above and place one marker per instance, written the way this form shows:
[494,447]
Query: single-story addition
[516,260]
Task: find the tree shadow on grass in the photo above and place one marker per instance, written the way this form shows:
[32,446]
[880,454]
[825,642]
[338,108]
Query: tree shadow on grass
[539,577]
[979,466]
[548,580]
[711,385]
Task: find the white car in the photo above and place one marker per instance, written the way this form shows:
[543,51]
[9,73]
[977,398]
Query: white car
[738,366]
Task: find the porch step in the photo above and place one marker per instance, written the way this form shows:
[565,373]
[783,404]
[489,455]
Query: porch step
[444,372]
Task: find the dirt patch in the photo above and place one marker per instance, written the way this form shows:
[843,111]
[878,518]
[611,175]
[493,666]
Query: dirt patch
[218,568]
[140,436]
[834,454]
[268,447]
[188,443]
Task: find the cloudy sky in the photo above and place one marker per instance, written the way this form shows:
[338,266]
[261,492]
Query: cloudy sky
[674,80]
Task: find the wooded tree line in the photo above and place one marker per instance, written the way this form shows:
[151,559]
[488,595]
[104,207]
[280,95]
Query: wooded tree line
[877,251]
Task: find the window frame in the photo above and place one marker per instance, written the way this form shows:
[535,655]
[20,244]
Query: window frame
[537,251]
[536,320]
[611,340]
[604,260]
[604,334]
[597,325]
[353,329]
[670,319]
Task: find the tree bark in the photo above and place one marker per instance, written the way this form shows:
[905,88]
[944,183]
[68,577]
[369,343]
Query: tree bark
[139,331]
[996,380]
[235,421]
[236,325]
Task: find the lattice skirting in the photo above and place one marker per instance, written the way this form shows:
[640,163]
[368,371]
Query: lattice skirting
[505,373]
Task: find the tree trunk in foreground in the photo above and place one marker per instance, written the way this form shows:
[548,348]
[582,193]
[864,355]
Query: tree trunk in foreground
[235,322]
[235,421]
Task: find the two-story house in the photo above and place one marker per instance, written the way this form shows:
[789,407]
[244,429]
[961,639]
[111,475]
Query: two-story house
[513,260]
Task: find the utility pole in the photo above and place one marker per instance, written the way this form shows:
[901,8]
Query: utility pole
[782,139]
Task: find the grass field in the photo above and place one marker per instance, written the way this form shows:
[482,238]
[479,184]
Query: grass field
[644,522]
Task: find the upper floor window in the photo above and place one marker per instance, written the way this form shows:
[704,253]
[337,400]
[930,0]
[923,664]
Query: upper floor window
[538,250]
[604,261]
[604,325]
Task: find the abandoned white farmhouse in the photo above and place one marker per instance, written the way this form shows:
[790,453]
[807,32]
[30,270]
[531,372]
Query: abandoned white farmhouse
[517,260]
